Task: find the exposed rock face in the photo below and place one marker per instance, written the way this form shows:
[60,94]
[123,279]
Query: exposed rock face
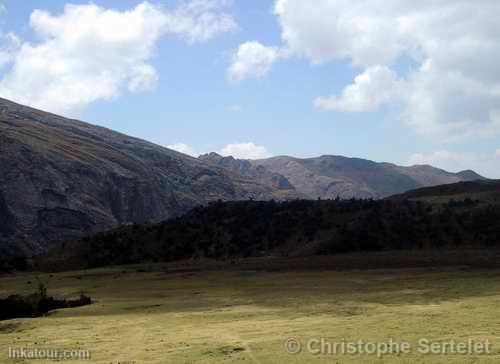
[7,220]
[247,169]
[336,176]
[61,178]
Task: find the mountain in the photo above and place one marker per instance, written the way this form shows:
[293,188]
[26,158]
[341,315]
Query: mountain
[336,176]
[62,178]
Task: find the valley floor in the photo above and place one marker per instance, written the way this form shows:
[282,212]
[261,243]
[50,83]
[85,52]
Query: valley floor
[147,314]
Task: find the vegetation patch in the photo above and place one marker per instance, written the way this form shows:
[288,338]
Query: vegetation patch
[36,304]
[225,350]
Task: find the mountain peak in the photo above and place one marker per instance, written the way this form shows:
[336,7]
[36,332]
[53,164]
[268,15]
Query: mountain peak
[212,157]
[470,175]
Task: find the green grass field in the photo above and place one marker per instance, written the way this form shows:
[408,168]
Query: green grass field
[153,316]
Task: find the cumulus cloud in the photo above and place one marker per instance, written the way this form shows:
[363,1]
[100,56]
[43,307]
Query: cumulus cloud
[245,151]
[331,30]
[485,164]
[90,53]
[252,60]
[373,87]
[451,105]
[184,148]
[454,90]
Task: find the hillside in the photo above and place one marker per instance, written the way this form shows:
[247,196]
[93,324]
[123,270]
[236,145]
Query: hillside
[297,228]
[487,192]
[62,178]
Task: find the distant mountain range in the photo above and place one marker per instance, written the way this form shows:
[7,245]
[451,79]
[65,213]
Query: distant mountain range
[62,178]
[330,177]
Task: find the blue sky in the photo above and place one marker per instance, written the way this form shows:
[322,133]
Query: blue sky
[270,103]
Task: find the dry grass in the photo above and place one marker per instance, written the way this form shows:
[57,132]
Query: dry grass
[244,316]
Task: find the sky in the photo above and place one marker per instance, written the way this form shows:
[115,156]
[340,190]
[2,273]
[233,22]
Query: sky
[388,80]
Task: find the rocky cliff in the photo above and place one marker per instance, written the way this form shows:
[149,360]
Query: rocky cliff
[247,169]
[61,178]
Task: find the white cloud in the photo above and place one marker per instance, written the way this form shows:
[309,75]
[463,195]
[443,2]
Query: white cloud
[142,78]
[454,90]
[370,89]
[237,150]
[10,45]
[451,105]
[252,60]
[235,108]
[89,53]
[245,151]
[484,164]
[331,30]
[497,154]
[200,20]
[184,148]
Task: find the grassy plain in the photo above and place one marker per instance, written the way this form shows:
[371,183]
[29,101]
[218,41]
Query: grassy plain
[148,314]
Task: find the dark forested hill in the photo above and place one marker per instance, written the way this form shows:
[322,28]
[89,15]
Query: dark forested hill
[296,229]
[487,191]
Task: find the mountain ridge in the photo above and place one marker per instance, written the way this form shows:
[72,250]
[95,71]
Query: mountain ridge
[63,178]
[332,176]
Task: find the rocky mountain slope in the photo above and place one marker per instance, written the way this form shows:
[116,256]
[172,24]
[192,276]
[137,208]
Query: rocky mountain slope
[61,178]
[247,169]
[332,176]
